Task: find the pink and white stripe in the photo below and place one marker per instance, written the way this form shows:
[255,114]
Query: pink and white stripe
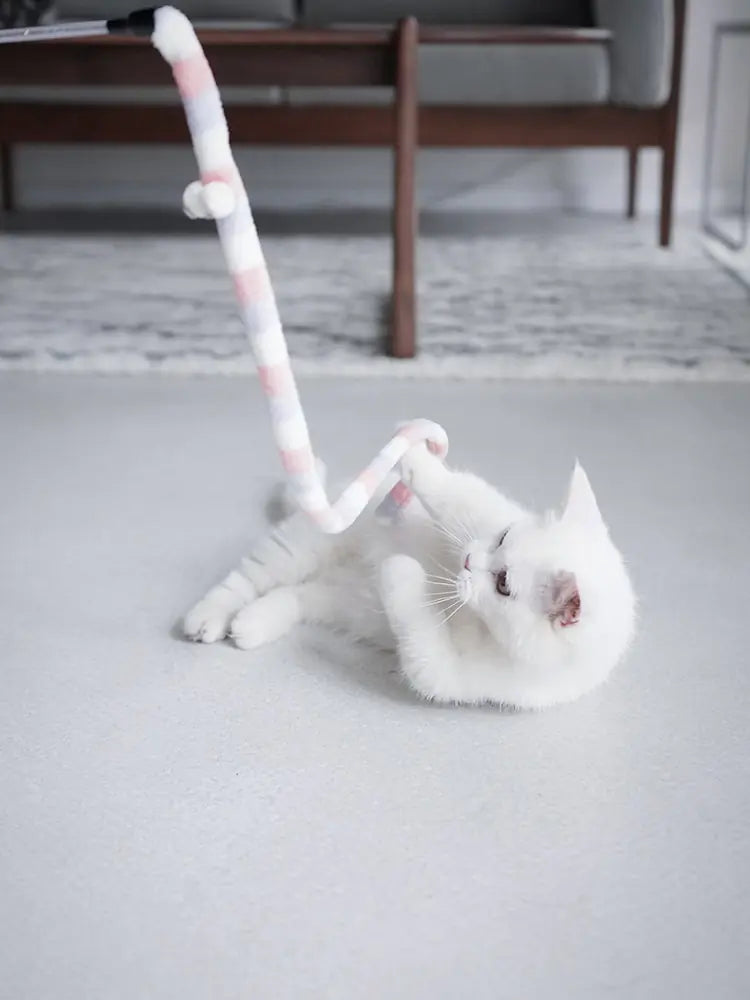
[175,39]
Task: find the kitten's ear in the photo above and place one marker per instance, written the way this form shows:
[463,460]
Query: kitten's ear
[562,600]
[581,506]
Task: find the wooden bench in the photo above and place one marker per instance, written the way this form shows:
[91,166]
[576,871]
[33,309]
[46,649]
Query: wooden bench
[333,57]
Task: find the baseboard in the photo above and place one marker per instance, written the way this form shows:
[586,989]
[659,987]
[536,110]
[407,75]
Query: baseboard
[309,222]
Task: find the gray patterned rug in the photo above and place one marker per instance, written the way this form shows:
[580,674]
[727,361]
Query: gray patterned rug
[575,299]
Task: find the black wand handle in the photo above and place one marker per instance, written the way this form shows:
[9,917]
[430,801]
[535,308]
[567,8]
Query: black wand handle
[140,22]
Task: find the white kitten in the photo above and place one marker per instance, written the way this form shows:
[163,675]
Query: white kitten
[484,601]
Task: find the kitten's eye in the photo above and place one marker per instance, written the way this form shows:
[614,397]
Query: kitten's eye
[501,583]
[502,537]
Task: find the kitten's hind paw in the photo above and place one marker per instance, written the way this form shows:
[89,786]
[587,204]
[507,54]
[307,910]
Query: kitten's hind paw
[266,620]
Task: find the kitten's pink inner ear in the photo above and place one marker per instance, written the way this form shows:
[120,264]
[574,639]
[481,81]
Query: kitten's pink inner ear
[564,600]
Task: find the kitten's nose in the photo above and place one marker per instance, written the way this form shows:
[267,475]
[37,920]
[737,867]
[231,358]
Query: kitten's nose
[467,562]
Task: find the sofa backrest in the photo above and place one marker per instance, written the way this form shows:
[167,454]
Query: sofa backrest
[564,13]
[198,10]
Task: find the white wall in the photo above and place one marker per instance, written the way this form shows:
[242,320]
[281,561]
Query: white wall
[460,179]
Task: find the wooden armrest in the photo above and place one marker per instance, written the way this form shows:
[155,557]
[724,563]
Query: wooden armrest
[430,34]
[510,35]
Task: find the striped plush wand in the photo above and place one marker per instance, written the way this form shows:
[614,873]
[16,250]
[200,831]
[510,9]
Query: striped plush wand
[220,194]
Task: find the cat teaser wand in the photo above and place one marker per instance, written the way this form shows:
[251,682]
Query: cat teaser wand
[140,22]
[220,194]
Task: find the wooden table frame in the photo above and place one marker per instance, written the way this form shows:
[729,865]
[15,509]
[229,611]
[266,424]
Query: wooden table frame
[334,57]
[280,57]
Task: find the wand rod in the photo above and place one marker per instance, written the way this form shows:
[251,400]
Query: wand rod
[140,22]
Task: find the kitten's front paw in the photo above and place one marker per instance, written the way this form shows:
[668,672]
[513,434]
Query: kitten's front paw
[208,621]
[420,470]
[402,581]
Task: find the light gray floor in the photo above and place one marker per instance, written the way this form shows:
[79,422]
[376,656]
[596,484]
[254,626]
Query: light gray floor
[193,822]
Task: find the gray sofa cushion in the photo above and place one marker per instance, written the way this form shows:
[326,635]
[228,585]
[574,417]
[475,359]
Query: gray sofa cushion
[642,43]
[490,75]
[198,10]
[367,96]
[514,74]
[547,12]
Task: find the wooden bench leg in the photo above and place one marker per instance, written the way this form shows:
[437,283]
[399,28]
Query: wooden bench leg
[670,115]
[403,329]
[7,202]
[667,192]
[632,180]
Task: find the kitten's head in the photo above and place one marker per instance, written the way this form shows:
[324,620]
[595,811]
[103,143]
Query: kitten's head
[555,595]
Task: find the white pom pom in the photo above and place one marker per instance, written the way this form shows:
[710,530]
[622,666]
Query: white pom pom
[193,204]
[219,199]
[214,201]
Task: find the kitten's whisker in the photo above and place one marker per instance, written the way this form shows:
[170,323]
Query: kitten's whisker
[448,527]
[452,541]
[446,620]
[456,600]
[448,534]
[440,600]
[441,525]
[465,528]
[444,614]
[450,572]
